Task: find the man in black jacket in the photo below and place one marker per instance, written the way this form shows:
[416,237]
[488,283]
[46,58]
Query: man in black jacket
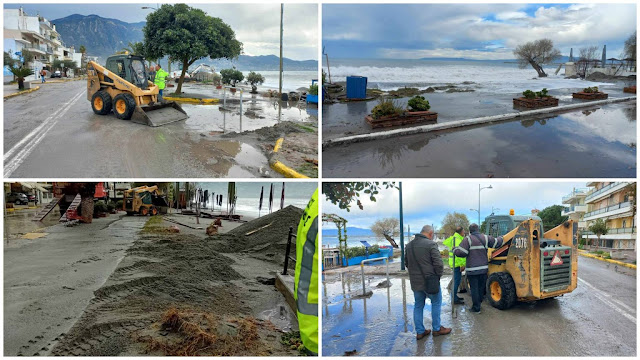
[422,254]
[474,247]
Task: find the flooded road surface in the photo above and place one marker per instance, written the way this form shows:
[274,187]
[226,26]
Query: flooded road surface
[598,142]
[597,319]
[54,133]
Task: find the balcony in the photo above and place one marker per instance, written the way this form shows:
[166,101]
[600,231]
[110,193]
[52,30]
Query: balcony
[629,233]
[614,231]
[568,210]
[605,191]
[575,194]
[617,209]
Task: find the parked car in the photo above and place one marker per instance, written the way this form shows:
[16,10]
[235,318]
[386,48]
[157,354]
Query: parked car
[56,74]
[17,198]
[32,198]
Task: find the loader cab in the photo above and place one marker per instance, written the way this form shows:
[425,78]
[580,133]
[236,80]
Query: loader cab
[129,67]
[499,225]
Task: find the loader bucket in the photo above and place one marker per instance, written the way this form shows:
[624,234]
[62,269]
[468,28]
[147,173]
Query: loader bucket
[159,114]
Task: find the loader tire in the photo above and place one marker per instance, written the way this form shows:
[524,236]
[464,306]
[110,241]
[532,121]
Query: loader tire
[501,290]
[101,103]
[153,211]
[144,211]
[123,106]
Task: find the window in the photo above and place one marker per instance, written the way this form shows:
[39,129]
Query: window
[624,224]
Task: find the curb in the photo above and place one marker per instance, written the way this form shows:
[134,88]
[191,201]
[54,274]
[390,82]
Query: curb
[465,123]
[21,92]
[586,254]
[280,167]
[192,100]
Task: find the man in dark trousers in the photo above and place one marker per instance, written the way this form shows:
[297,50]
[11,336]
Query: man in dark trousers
[422,258]
[474,247]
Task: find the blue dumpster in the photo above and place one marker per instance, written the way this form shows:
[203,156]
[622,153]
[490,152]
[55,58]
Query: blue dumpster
[312,99]
[356,87]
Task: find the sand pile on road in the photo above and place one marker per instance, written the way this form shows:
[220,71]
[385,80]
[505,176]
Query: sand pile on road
[265,234]
[270,133]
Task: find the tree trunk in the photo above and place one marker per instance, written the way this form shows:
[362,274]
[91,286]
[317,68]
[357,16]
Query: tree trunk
[86,209]
[20,84]
[538,68]
[598,243]
[185,65]
[390,240]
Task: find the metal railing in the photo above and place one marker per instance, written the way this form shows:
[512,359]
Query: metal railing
[595,193]
[287,257]
[582,191]
[224,96]
[614,231]
[364,289]
[571,208]
[617,206]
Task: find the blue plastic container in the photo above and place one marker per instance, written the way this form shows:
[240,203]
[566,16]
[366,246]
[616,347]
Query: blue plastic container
[356,87]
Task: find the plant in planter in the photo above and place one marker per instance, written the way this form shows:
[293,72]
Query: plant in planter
[386,107]
[537,99]
[20,73]
[111,207]
[590,93]
[231,76]
[313,89]
[255,79]
[119,205]
[418,103]
[590,90]
[542,93]
[217,80]
[100,208]
[528,94]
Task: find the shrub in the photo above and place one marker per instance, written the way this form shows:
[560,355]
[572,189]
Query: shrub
[119,204]
[590,90]
[100,207]
[386,107]
[111,206]
[255,79]
[419,103]
[231,76]
[313,89]
[542,93]
[356,251]
[217,79]
[529,94]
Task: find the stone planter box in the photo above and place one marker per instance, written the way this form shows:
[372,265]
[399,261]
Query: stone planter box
[409,117]
[590,96]
[630,89]
[523,102]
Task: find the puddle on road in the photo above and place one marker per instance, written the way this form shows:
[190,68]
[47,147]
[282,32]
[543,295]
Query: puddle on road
[21,221]
[380,325]
[590,143]
[229,157]
[255,115]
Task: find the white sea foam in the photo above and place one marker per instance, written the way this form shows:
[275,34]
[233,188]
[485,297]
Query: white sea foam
[487,77]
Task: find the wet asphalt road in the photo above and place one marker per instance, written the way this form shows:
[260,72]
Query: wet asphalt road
[53,133]
[596,142]
[597,319]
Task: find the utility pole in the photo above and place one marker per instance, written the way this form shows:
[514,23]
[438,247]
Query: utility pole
[281,35]
[401,232]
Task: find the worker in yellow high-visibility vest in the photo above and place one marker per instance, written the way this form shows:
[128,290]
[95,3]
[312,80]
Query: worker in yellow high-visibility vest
[306,278]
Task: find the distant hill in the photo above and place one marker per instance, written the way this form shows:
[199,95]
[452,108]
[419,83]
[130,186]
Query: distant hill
[103,37]
[351,231]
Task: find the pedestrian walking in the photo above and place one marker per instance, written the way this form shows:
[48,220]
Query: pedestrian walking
[43,74]
[451,242]
[474,247]
[160,80]
[425,269]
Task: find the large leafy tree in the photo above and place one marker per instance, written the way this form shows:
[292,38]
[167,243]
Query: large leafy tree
[186,35]
[598,227]
[536,53]
[552,216]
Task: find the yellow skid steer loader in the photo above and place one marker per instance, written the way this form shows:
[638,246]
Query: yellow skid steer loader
[122,86]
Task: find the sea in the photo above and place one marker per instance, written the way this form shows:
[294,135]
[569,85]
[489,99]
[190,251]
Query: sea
[291,81]
[296,194]
[355,241]
[481,76]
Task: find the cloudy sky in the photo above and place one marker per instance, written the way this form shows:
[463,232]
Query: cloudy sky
[256,25]
[473,31]
[428,202]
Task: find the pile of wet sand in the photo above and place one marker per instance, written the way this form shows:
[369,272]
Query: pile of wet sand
[270,133]
[184,272]
[266,234]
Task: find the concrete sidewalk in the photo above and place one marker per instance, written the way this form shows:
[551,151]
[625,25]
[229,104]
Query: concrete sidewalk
[49,281]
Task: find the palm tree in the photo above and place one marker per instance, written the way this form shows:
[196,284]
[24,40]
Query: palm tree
[20,73]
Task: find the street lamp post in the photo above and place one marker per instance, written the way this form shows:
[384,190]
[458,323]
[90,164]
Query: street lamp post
[480,189]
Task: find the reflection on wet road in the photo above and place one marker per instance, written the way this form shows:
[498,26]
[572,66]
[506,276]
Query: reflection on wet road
[598,318]
[599,142]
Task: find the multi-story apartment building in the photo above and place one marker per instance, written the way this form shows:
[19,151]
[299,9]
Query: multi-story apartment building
[575,207]
[615,203]
[36,34]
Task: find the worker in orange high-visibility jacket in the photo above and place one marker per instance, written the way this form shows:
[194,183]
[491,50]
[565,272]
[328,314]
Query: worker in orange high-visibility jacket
[306,277]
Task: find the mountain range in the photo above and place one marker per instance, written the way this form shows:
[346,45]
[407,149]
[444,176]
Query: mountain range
[103,37]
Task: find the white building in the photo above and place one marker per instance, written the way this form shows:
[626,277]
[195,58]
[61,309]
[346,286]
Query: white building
[575,206]
[36,34]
